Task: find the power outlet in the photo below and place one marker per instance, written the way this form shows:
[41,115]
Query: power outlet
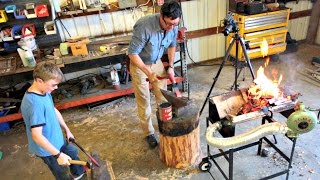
[127,3]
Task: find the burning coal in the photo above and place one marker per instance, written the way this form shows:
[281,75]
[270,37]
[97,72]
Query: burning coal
[265,90]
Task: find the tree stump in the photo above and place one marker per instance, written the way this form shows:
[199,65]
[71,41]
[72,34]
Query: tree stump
[179,138]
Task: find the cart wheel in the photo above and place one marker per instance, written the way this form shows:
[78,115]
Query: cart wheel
[205,165]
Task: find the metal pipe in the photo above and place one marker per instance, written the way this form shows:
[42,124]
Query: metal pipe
[244,138]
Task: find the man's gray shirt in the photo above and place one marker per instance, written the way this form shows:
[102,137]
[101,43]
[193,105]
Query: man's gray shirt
[149,41]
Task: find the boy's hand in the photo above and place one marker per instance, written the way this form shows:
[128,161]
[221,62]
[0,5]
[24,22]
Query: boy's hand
[63,159]
[69,136]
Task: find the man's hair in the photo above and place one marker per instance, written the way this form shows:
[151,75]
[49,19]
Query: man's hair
[171,9]
[46,70]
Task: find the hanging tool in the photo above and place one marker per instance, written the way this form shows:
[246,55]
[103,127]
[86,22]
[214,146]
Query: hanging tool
[95,162]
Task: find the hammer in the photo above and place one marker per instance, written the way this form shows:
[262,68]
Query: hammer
[83,163]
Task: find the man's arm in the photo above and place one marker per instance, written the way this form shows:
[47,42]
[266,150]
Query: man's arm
[136,60]
[171,55]
[42,141]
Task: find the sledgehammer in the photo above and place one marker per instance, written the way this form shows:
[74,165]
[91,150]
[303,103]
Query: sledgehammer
[85,152]
[83,163]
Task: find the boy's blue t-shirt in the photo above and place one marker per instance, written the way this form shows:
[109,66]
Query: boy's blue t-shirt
[38,110]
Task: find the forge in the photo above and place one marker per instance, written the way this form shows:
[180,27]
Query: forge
[229,107]
[239,106]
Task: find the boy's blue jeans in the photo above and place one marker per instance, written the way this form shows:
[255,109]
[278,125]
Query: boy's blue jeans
[61,172]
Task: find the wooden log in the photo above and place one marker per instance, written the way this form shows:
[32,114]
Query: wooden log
[179,139]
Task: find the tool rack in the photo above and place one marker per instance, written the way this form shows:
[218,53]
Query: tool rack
[229,131]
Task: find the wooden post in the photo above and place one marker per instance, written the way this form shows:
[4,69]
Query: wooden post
[313,23]
[179,139]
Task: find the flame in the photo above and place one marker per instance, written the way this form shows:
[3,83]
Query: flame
[266,86]
[264,47]
[263,85]
[267,62]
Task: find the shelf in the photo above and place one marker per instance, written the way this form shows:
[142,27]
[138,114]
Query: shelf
[86,99]
[79,13]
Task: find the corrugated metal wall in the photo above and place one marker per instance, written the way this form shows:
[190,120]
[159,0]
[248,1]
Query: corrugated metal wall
[298,28]
[197,14]
[201,15]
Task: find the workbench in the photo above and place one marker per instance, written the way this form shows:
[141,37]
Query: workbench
[69,64]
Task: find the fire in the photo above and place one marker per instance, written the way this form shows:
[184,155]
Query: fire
[265,87]
[264,47]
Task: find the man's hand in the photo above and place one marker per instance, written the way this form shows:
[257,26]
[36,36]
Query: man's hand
[63,159]
[170,72]
[153,77]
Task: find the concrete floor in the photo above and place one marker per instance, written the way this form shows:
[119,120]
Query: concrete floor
[113,131]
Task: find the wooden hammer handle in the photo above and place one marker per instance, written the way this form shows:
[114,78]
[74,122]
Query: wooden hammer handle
[77,162]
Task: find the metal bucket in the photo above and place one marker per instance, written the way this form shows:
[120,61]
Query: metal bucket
[165,111]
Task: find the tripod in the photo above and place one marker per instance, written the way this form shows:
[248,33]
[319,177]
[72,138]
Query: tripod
[238,40]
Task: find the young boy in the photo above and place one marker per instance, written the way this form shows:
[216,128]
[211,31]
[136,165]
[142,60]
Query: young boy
[44,124]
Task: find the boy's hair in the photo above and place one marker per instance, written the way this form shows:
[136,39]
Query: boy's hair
[171,10]
[46,71]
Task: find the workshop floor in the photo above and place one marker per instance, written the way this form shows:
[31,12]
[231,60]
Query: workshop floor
[113,131]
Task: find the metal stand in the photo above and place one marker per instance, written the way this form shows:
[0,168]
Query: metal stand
[205,164]
[238,40]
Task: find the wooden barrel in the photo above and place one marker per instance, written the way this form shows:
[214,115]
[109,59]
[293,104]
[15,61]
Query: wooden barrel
[179,138]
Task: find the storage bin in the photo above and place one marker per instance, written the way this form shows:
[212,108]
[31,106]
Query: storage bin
[4,126]
[3,16]
[30,11]
[10,8]
[19,14]
[6,33]
[28,30]
[42,10]
[50,28]
[16,31]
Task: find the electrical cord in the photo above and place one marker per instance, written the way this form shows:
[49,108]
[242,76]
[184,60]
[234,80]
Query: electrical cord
[62,25]
[187,49]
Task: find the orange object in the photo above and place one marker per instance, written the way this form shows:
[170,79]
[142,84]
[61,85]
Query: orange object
[79,49]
